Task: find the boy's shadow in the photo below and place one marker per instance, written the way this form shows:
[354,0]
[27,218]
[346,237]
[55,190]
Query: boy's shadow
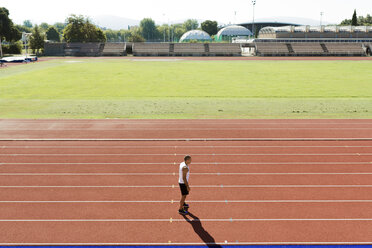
[199,230]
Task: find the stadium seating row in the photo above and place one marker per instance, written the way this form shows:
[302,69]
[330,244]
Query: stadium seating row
[263,48]
[186,49]
[310,49]
[85,49]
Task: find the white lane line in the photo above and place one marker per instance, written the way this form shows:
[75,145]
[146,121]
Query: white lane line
[211,163]
[167,154]
[164,122]
[184,139]
[174,174]
[174,220]
[178,147]
[205,201]
[201,186]
[197,129]
[180,244]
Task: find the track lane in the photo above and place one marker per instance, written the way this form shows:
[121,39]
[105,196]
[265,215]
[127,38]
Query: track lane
[163,232]
[133,180]
[171,150]
[168,194]
[127,158]
[195,168]
[45,211]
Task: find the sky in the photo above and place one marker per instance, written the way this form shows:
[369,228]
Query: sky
[164,11]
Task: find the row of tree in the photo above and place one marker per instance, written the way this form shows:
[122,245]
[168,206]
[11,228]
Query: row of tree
[358,21]
[81,29]
[149,31]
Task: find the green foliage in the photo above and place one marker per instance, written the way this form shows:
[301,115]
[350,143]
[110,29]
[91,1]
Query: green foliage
[190,24]
[354,19]
[118,35]
[80,29]
[23,28]
[37,40]
[211,27]
[44,27]
[362,21]
[136,38]
[8,30]
[149,30]
[52,34]
[13,48]
[59,26]
[178,31]
[28,24]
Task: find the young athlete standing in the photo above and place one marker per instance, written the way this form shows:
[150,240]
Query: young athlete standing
[183,180]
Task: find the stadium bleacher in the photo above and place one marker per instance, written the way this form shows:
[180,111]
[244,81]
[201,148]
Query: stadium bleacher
[150,49]
[345,49]
[190,49]
[271,49]
[83,49]
[308,49]
[114,49]
[228,49]
[54,49]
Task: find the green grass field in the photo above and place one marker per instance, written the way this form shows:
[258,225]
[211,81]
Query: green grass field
[117,88]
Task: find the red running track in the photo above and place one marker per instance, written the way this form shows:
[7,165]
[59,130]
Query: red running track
[115,182]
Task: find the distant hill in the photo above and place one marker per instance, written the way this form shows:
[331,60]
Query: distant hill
[114,22]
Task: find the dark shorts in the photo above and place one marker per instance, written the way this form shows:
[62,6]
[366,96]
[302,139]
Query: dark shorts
[184,190]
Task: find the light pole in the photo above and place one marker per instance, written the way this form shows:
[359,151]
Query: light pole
[321,18]
[253,26]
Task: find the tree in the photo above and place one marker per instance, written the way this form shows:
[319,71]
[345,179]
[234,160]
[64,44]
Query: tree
[354,20]
[361,20]
[23,28]
[7,29]
[44,26]
[52,34]
[27,23]
[178,31]
[59,26]
[191,24]
[211,27]
[36,40]
[80,29]
[148,29]
[136,38]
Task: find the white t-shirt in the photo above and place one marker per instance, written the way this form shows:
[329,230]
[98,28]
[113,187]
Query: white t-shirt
[180,179]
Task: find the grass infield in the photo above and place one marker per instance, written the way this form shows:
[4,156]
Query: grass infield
[123,88]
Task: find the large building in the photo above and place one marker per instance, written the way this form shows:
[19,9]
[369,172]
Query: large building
[257,26]
[195,35]
[234,31]
[316,32]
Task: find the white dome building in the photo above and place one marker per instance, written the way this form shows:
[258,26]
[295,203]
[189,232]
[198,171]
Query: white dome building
[233,31]
[198,35]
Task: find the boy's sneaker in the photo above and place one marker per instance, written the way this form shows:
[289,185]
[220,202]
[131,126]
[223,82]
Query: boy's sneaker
[183,212]
[186,205]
